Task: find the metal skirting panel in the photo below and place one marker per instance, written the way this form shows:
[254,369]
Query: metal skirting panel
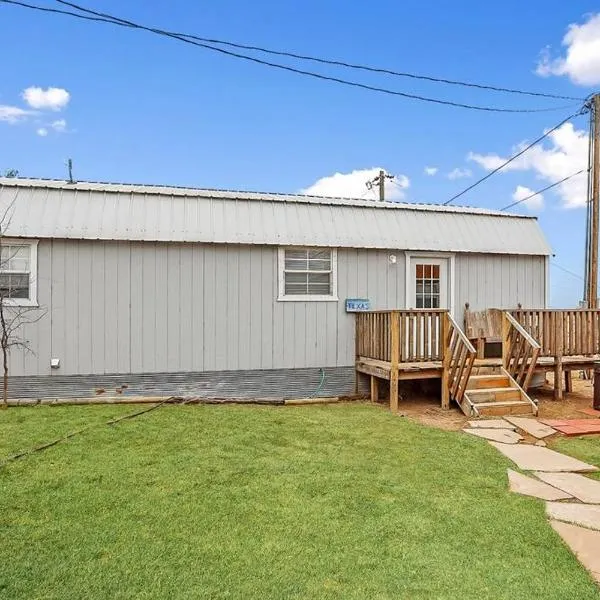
[276,383]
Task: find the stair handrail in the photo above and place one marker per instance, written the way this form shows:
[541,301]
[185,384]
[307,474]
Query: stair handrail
[520,350]
[459,359]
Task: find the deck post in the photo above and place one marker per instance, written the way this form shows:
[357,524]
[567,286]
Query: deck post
[446,358]
[395,359]
[374,389]
[568,382]
[558,368]
[505,338]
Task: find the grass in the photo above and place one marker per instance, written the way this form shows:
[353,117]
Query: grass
[344,502]
[585,448]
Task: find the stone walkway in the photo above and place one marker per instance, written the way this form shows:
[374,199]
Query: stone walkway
[572,499]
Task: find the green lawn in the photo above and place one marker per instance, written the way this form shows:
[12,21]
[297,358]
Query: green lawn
[344,501]
[586,448]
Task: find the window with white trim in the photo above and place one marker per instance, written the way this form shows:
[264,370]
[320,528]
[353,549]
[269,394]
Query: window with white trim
[18,262]
[307,274]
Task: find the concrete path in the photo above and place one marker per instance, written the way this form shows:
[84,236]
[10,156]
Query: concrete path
[536,458]
[584,543]
[531,426]
[583,488]
[491,424]
[506,436]
[584,515]
[527,486]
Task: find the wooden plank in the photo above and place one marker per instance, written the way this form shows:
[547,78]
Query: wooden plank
[411,348]
[568,382]
[395,359]
[419,337]
[435,328]
[505,341]
[446,357]
[427,346]
[374,389]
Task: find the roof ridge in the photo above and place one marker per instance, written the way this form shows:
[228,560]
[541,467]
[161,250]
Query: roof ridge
[179,190]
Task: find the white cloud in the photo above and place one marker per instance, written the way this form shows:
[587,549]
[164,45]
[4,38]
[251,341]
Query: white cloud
[566,153]
[581,62]
[51,98]
[42,132]
[431,171]
[353,185]
[522,192]
[59,125]
[13,114]
[459,174]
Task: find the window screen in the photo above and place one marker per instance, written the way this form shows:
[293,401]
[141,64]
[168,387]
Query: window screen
[427,286]
[15,271]
[308,272]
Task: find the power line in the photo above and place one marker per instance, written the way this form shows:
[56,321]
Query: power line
[512,158]
[361,67]
[106,18]
[549,187]
[566,270]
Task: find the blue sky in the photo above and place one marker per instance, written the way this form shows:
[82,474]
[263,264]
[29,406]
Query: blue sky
[143,108]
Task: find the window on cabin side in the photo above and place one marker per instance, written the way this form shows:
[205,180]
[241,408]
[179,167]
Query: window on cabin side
[17,272]
[308,272]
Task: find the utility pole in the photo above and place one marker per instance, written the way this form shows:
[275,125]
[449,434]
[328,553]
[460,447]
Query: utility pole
[594,200]
[379,181]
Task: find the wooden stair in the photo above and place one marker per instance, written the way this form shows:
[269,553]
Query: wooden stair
[495,394]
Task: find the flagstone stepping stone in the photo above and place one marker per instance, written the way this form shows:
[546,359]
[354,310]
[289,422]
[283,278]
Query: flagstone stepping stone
[497,435]
[590,411]
[535,458]
[571,427]
[491,424]
[584,543]
[532,426]
[583,488]
[584,515]
[528,486]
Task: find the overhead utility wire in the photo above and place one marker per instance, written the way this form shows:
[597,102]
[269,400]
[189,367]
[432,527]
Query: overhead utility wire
[360,67]
[549,187]
[104,17]
[566,270]
[514,157]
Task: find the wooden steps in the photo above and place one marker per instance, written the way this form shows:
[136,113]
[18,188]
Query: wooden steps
[495,394]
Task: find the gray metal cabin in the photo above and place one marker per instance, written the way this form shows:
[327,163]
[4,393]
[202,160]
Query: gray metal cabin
[140,279]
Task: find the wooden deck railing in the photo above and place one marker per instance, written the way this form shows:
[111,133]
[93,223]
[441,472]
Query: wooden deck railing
[519,350]
[459,356]
[563,332]
[419,334]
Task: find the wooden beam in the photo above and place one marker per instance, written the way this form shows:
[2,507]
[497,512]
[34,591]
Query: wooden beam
[568,381]
[374,389]
[395,356]
[446,358]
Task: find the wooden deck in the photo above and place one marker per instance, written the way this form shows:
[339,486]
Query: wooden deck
[428,344]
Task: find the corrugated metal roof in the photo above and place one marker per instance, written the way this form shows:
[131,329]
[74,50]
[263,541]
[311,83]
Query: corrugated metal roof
[85,210]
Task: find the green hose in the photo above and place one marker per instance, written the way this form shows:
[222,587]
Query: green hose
[320,386]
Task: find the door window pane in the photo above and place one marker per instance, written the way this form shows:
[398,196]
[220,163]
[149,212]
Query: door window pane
[427,286]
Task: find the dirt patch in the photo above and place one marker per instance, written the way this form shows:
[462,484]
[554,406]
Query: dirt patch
[420,402]
[571,405]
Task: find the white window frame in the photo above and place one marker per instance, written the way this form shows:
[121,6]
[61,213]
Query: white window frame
[33,246]
[409,284]
[282,297]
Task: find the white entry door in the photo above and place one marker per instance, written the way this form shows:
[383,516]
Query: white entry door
[428,282]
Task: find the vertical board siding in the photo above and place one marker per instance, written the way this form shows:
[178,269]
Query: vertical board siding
[143,307]
[498,281]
